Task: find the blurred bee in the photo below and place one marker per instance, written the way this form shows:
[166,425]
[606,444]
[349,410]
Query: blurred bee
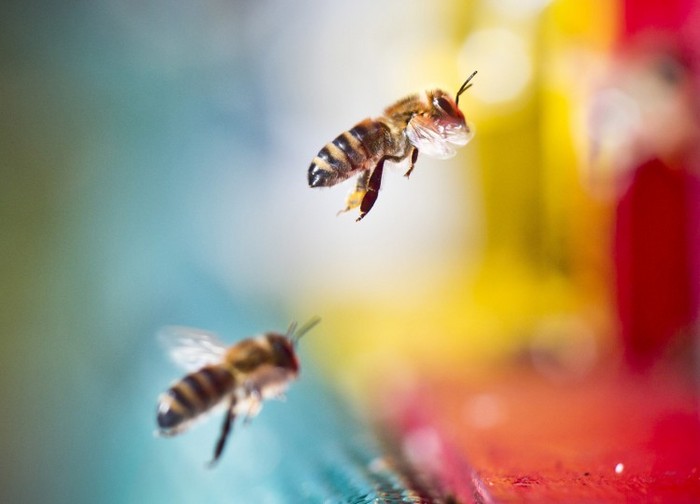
[430,123]
[238,377]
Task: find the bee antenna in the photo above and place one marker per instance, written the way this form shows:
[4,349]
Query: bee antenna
[290,330]
[464,87]
[295,335]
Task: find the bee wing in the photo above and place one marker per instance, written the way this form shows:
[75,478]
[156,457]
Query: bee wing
[191,348]
[429,138]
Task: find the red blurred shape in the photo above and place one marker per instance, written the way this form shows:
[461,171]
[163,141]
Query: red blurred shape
[643,15]
[656,258]
[652,262]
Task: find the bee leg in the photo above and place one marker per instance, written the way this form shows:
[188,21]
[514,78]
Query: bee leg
[254,397]
[355,198]
[414,158]
[375,182]
[225,431]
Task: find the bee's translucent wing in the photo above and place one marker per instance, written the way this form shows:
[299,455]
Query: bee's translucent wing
[437,139]
[191,348]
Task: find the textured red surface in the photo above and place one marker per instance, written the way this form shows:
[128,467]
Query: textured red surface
[521,438]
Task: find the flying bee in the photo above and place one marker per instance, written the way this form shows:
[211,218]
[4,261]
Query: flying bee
[430,122]
[237,377]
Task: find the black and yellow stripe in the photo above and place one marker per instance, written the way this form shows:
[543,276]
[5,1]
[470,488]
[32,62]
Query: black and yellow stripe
[193,395]
[348,153]
[330,166]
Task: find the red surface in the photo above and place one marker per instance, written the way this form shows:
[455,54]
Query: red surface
[521,438]
[657,231]
[653,262]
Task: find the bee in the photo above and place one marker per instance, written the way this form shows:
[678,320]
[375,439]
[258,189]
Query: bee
[237,377]
[430,122]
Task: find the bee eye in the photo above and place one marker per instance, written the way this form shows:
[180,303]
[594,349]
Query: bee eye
[444,104]
[283,351]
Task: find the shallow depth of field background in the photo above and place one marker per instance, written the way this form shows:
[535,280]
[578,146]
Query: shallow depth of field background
[153,161]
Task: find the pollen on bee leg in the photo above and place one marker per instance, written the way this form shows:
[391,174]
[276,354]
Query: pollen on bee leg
[353,200]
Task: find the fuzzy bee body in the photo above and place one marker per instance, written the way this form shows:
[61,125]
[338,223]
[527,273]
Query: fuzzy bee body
[195,394]
[239,377]
[356,150]
[430,122]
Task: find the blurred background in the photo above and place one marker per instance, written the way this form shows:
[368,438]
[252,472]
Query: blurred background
[153,160]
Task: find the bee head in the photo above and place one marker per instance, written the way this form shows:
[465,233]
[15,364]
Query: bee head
[445,111]
[448,120]
[283,352]
[283,345]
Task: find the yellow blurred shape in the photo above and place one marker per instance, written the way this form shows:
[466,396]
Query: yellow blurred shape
[540,280]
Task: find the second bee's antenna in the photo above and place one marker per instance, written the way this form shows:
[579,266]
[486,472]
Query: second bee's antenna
[295,335]
[464,87]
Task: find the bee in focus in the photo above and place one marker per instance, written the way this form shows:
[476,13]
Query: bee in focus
[430,122]
[237,377]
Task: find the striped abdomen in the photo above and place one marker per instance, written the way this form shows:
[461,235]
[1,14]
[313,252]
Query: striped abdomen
[194,394]
[352,151]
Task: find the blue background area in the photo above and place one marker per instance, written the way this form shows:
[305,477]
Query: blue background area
[152,172]
[110,114]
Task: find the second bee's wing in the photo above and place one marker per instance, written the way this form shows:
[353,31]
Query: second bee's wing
[191,348]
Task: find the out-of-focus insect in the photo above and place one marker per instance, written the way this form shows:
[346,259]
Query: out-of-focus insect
[430,122]
[238,377]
